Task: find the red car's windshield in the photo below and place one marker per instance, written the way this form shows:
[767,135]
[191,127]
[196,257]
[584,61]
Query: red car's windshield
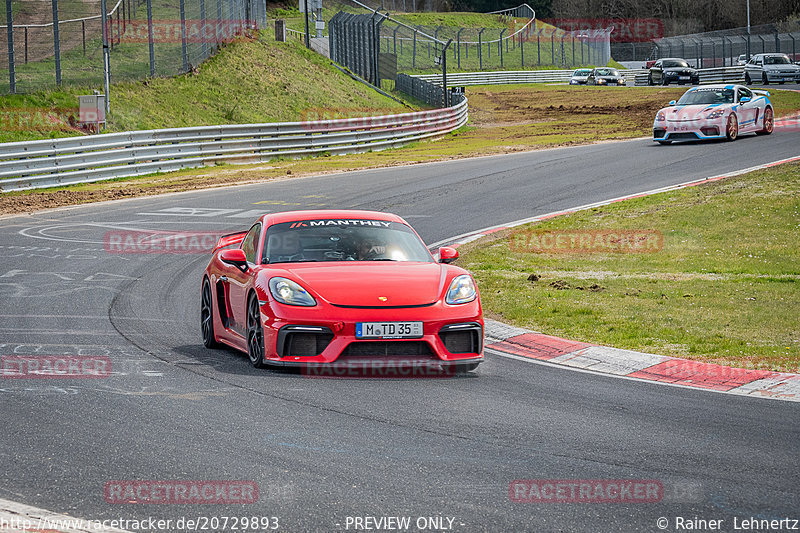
[342,240]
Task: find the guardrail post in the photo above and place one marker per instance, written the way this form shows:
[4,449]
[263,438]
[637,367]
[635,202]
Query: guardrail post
[56,42]
[12,81]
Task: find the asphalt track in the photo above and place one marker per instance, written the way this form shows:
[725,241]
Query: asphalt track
[322,450]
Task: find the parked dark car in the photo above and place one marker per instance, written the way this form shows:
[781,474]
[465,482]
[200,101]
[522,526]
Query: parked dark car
[672,70]
[605,76]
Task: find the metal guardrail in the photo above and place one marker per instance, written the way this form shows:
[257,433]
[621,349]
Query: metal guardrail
[707,75]
[53,162]
[637,76]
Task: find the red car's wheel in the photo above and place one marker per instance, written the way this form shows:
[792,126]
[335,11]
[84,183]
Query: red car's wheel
[769,122]
[255,333]
[732,129]
[207,316]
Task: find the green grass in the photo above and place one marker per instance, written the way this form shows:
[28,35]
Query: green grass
[724,288]
[247,82]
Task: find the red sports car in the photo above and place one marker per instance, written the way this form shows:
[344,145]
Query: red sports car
[313,288]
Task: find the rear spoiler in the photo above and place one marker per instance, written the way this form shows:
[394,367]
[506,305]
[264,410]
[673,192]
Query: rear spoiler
[229,239]
[761,93]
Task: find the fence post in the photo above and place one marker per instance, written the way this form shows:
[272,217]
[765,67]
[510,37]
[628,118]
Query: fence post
[83,34]
[26,45]
[414,53]
[777,43]
[56,42]
[12,82]
[458,46]
[500,46]
[552,49]
[184,51]
[522,39]
[480,49]
[106,57]
[203,43]
[150,43]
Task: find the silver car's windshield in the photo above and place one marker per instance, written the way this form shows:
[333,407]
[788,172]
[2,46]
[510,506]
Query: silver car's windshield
[582,72]
[707,96]
[342,240]
[776,60]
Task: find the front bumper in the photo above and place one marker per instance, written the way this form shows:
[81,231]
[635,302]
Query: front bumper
[325,334]
[777,76]
[689,130]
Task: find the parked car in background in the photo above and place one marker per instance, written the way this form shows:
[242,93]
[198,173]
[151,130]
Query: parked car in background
[771,68]
[579,76]
[672,70]
[605,76]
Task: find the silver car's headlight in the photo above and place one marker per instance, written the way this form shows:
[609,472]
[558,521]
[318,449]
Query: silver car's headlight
[288,292]
[462,290]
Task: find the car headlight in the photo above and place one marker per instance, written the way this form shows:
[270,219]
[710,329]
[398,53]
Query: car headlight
[288,292]
[601,82]
[716,114]
[661,116]
[462,290]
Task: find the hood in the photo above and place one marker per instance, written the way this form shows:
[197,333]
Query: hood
[363,283]
[688,70]
[691,112]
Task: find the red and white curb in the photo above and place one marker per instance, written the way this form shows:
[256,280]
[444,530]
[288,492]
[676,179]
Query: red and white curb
[20,518]
[520,343]
[523,344]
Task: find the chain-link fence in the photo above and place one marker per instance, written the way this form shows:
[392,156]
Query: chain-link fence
[718,48]
[144,38]
[377,46]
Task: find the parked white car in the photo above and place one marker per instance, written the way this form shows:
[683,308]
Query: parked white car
[771,68]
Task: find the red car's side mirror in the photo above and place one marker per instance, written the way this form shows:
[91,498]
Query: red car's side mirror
[447,254]
[234,257]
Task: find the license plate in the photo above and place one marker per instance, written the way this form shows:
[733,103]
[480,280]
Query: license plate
[684,77]
[388,330]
